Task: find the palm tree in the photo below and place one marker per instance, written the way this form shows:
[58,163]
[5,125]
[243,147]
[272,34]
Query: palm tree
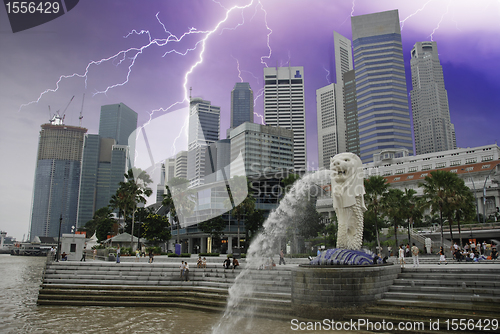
[437,193]
[136,190]
[178,194]
[410,209]
[463,204]
[121,201]
[375,187]
[392,205]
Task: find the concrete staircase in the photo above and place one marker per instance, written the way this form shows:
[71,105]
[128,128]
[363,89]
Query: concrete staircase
[96,283]
[434,259]
[443,293]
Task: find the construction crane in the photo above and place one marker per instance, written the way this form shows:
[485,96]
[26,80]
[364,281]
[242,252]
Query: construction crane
[64,112]
[81,111]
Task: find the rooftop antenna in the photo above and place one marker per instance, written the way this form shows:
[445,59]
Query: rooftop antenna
[81,111]
[190,89]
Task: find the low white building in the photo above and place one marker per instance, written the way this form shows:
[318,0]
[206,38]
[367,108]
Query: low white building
[479,167]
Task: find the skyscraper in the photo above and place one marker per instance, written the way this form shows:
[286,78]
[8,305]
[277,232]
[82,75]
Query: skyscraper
[351,113]
[57,178]
[284,106]
[106,158]
[383,113]
[241,104]
[432,127]
[204,127]
[332,136]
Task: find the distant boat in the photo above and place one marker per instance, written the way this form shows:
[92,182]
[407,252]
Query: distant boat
[29,249]
[4,248]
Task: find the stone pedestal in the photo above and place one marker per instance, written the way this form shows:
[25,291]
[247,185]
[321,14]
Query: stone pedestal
[320,292]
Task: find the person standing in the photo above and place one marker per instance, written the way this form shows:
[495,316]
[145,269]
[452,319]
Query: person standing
[182,269]
[118,254]
[282,257]
[94,253]
[401,254]
[186,271]
[151,256]
[414,252]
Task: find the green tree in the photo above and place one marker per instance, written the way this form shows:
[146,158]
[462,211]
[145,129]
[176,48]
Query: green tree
[463,205]
[136,189]
[178,188]
[122,201]
[240,188]
[156,228]
[392,206]
[103,222]
[411,209]
[214,227]
[307,219]
[375,189]
[289,181]
[253,223]
[437,193]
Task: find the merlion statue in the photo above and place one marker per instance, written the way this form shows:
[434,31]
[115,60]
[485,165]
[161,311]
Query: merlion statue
[347,192]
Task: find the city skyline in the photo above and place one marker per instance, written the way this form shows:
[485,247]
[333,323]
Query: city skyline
[235,52]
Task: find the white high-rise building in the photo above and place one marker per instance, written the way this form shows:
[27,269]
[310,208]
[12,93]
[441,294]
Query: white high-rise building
[180,169]
[330,106]
[264,148]
[382,101]
[204,128]
[284,106]
[432,127]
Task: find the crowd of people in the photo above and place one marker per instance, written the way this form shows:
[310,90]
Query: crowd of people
[474,252]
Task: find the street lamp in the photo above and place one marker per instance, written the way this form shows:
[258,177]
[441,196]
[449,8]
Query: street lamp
[484,192]
[475,195]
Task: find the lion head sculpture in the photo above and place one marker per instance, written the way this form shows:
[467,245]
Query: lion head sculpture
[347,194]
[347,179]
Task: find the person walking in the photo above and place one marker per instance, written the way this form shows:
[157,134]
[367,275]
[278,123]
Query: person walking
[84,254]
[414,253]
[442,257]
[282,257]
[401,254]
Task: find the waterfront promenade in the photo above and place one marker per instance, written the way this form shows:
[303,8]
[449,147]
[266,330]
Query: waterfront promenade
[431,291]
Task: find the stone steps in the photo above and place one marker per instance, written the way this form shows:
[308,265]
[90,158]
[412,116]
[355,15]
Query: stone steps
[431,294]
[144,284]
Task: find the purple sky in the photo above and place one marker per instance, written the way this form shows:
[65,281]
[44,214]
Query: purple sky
[300,32]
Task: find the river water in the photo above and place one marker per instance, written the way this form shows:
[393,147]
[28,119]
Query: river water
[20,279]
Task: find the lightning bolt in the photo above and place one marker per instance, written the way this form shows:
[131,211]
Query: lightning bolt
[327,75]
[352,13]
[402,23]
[267,38]
[260,92]
[131,55]
[238,68]
[439,23]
